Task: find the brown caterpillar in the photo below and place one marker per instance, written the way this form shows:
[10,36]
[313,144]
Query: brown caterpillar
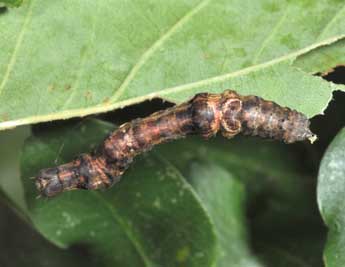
[204,114]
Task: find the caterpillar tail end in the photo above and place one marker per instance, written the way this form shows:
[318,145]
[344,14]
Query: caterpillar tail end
[308,134]
[312,138]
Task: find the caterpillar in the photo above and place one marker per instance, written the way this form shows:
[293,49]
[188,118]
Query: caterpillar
[205,114]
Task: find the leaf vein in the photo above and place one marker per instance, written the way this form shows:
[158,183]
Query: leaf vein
[328,25]
[155,46]
[80,70]
[269,36]
[17,46]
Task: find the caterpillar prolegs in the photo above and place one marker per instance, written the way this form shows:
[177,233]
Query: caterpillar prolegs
[205,114]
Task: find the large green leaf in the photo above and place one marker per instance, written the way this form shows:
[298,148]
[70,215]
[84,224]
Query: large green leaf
[61,59]
[269,180]
[331,189]
[151,218]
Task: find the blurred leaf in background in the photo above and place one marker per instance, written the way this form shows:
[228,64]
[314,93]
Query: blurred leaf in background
[11,3]
[11,143]
[266,196]
[331,190]
[21,245]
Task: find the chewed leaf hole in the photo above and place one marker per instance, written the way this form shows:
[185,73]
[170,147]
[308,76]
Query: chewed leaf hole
[335,75]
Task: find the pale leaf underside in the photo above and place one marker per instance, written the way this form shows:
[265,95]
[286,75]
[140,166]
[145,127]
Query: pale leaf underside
[71,59]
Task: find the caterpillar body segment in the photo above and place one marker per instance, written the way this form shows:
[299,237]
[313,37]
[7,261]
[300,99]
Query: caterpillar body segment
[205,114]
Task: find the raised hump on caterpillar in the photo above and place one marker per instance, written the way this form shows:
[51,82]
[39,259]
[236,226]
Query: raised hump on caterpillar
[205,114]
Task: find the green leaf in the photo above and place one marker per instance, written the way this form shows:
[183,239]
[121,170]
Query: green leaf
[11,3]
[323,59]
[26,247]
[62,59]
[151,218]
[225,198]
[266,179]
[331,185]
[11,143]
